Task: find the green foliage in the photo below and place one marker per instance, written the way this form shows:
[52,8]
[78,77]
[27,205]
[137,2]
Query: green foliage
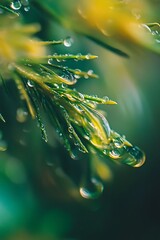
[44,82]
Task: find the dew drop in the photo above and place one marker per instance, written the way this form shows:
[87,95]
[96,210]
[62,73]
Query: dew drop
[115,154]
[68,42]
[105,152]
[50,61]
[136,157]
[118,143]
[90,72]
[27,8]
[30,83]
[56,85]
[25,4]
[88,56]
[16,5]
[105,98]
[92,189]
[70,129]
[77,76]
[78,57]
[21,115]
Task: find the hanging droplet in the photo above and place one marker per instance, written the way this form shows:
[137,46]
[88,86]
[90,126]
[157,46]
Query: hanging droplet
[70,129]
[26,5]
[115,154]
[16,5]
[56,85]
[92,189]
[30,83]
[27,8]
[68,42]
[136,157]
[118,143]
[43,132]
[77,73]
[21,115]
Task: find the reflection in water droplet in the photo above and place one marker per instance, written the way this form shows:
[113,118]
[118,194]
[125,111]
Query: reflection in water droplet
[27,8]
[30,83]
[136,157]
[68,42]
[92,189]
[16,5]
[115,153]
[90,72]
[118,143]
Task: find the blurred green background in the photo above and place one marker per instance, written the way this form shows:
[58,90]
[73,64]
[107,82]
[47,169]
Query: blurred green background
[38,195]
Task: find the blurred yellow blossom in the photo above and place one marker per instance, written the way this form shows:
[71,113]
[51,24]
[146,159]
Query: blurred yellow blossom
[16,41]
[118,25]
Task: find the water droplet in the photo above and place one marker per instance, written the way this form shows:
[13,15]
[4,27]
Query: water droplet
[21,115]
[50,61]
[86,76]
[68,42]
[70,129]
[118,143]
[88,56]
[16,5]
[30,83]
[136,157]
[25,4]
[105,98]
[56,85]
[78,57]
[105,152]
[43,132]
[92,189]
[27,8]
[115,154]
[77,76]
[90,72]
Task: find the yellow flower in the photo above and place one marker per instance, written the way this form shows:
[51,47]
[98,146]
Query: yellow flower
[16,41]
[118,25]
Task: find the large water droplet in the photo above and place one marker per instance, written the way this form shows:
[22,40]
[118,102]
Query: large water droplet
[25,3]
[92,189]
[27,8]
[68,42]
[16,5]
[136,156]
